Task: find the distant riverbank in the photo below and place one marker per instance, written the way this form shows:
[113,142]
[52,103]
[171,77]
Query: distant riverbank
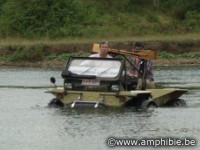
[58,64]
[171,50]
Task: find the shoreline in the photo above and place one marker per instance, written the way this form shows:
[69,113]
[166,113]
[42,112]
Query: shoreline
[172,50]
[59,64]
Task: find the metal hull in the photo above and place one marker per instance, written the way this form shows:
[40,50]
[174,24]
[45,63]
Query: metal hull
[162,96]
[159,97]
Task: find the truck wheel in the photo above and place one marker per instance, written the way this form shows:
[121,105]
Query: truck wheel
[55,103]
[179,103]
[148,106]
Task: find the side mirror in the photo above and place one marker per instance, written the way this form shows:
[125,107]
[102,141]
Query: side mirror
[53,80]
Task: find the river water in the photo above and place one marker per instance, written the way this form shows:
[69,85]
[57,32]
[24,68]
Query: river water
[27,124]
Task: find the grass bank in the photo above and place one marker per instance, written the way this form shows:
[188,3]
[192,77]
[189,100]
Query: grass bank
[47,52]
[60,41]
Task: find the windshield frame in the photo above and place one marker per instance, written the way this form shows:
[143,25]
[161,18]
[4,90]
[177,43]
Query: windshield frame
[96,58]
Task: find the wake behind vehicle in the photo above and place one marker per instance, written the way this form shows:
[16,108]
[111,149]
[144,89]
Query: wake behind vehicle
[98,82]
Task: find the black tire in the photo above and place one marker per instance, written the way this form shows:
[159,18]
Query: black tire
[178,103]
[55,103]
[148,105]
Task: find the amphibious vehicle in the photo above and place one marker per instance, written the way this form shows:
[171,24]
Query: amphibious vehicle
[102,82]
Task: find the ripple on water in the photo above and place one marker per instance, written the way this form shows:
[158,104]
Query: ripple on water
[26,122]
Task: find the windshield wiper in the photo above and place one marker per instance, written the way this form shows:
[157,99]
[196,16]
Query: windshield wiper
[69,74]
[104,71]
[87,70]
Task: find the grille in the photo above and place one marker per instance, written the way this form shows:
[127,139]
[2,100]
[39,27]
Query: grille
[91,88]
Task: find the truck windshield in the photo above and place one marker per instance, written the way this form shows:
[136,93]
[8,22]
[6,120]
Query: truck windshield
[99,68]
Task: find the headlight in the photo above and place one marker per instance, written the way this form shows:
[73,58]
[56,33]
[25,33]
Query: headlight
[68,86]
[115,88]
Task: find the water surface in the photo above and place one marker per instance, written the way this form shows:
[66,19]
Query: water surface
[26,122]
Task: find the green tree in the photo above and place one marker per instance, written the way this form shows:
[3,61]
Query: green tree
[39,18]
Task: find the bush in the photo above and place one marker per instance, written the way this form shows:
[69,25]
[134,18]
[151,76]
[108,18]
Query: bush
[192,19]
[94,18]
[166,55]
[66,56]
[189,55]
[3,58]
[39,18]
[30,54]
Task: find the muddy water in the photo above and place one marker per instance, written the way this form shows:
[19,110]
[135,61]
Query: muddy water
[27,124]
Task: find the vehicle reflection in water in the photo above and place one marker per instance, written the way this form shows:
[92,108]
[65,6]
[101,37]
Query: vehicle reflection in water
[27,123]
